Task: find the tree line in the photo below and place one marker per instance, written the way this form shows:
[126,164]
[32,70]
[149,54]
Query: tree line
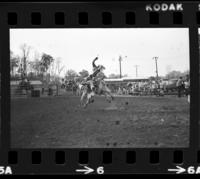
[47,68]
[43,67]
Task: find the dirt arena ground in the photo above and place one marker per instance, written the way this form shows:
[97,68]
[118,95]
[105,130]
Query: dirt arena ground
[135,122]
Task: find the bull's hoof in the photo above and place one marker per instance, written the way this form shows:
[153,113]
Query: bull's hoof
[109,101]
[92,101]
[84,106]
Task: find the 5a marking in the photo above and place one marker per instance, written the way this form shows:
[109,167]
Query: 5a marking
[5,170]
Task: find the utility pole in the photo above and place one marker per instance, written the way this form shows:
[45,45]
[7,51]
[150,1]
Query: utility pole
[120,66]
[136,70]
[156,59]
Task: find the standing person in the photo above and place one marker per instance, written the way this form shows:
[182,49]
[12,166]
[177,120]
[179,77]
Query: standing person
[179,86]
[187,87]
[157,87]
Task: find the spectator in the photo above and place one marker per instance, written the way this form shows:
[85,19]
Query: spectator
[119,91]
[187,87]
[179,86]
[42,90]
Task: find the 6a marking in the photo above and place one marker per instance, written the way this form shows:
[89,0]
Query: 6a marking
[5,170]
[189,170]
[193,170]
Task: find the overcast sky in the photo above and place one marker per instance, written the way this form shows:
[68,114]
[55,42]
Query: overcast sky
[76,48]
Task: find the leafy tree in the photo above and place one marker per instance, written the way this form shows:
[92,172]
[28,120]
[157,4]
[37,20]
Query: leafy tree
[174,74]
[113,76]
[152,78]
[14,62]
[45,62]
[185,73]
[70,75]
[83,74]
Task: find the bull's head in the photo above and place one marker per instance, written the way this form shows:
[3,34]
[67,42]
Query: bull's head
[101,67]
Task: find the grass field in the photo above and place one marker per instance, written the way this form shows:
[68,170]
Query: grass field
[59,122]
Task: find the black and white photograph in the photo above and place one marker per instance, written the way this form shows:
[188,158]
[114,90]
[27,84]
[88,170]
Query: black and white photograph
[100,87]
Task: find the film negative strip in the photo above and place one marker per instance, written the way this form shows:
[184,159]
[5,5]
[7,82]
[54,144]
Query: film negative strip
[100,88]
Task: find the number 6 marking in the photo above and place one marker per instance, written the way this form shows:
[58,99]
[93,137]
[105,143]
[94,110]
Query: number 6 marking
[100,170]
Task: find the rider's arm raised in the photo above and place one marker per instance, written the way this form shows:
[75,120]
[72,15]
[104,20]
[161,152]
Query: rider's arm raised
[93,63]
